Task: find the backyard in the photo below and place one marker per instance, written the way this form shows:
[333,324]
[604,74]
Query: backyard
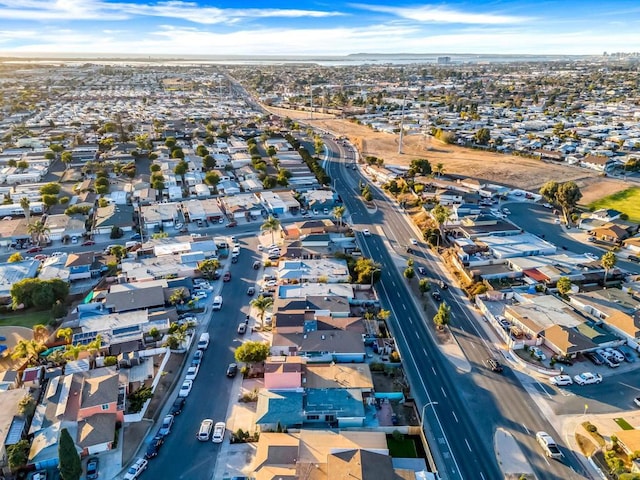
[626,201]
[27,318]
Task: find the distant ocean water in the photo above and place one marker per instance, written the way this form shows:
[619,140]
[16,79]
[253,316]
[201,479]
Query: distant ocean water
[324,60]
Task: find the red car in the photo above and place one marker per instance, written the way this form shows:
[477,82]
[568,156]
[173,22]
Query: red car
[34,250]
[226,277]
[41,257]
[232,224]
[88,243]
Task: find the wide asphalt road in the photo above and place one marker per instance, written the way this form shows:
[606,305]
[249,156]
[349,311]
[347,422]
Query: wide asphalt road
[460,436]
[182,456]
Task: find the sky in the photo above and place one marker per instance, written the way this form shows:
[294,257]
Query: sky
[324,27]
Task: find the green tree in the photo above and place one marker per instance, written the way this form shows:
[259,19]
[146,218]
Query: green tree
[26,208]
[212,178]
[409,273]
[208,162]
[118,251]
[482,136]
[66,158]
[423,286]
[177,297]
[338,213]
[69,459]
[143,142]
[419,166]
[202,151]
[50,189]
[181,169]
[209,267]
[27,350]
[367,271]
[564,285]
[442,316]
[272,225]
[27,406]
[439,169]
[22,165]
[170,142]
[440,214]
[18,454]
[40,332]
[116,232]
[50,200]
[15,258]
[66,333]
[608,261]
[549,191]
[38,231]
[33,292]
[252,352]
[567,197]
[73,351]
[262,304]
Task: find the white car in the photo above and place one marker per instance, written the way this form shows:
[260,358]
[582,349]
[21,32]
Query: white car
[561,380]
[136,469]
[587,378]
[167,423]
[413,241]
[271,283]
[591,256]
[218,432]
[178,226]
[205,430]
[192,372]
[538,354]
[366,232]
[547,205]
[185,389]
[200,295]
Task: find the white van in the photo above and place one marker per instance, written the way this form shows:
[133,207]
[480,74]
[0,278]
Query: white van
[217,302]
[203,343]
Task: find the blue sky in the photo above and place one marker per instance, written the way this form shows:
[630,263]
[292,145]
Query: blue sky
[307,27]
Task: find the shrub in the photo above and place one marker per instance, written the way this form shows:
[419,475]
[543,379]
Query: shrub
[110,361]
[591,428]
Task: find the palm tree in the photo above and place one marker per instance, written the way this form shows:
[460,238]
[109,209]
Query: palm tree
[209,267]
[177,296]
[24,203]
[40,332]
[27,349]
[440,214]
[38,231]
[65,333]
[262,304]
[338,213]
[180,336]
[439,169]
[608,261]
[272,225]
[74,351]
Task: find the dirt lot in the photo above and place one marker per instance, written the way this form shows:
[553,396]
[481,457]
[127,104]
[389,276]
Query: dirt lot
[508,170]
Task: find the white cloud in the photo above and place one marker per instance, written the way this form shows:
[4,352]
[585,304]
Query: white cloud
[431,14]
[100,10]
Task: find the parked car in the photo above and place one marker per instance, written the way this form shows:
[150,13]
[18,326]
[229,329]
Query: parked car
[178,405]
[232,370]
[561,380]
[185,389]
[443,285]
[494,365]
[242,328]
[251,291]
[629,355]
[422,270]
[192,372]
[637,401]
[436,296]
[506,211]
[135,236]
[167,423]
[504,323]
[619,357]
[92,468]
[154,447]
[199,295]
[226,277]
[587,378]
[34,250]
[197,357]
[204,433]
[257,264]
[232,224]
[366,232]
[538,354]
[134,471]
[218,432]
[413,241]
[595,358]
[88,243]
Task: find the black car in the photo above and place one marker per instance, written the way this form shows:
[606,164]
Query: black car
[232,370]
[494,365]
[178,404]
[436,296]
[422,270]
[595,358]
[154,446]
[443,285]
[92,468]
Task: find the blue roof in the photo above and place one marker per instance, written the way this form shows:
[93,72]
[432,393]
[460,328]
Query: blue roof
[344,402]
[279,406]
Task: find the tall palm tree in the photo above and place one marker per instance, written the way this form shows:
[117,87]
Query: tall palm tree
[24,203]
[272,225]
[440,214]
[27,349]
[262,304]
[338,213]
[65,333]
[439,169]
[608,261]
[74,351]
[38,231]
[40,332]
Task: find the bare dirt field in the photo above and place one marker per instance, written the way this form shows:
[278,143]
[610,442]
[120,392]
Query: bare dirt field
[509,170]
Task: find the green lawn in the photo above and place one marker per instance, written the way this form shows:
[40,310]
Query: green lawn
[404,448]
[626,201]
[623,424]
[25,319]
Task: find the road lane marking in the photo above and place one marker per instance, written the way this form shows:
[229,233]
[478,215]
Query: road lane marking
[425,352]
[410,321]
[525,427]
[454,416]
[468,446]
[434,372]
[629,386]
[417,334]
[443,392]
[404,307]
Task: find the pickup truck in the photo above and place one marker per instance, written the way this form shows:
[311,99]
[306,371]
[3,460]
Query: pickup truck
[549,445]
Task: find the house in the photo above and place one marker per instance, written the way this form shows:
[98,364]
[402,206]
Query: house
[629,440]
[11,273]
[330,270]
[134,296]
[159,215]
[82,266]
[321,346]
[600,164]
[606,214]
[610,232]
[106,218]
[283,372]
[241,205]
[282,407]
[65,226]
[12,424]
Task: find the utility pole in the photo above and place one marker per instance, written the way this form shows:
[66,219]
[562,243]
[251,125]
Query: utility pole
[401,125]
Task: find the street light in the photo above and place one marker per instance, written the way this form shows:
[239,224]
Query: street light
[423,409]
[373,273]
